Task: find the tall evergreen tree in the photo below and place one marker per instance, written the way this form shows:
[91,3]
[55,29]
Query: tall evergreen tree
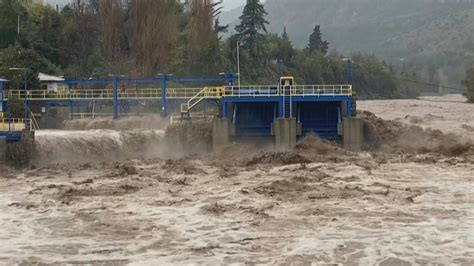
[285,35]
[286,50]
[316,42]
[218,28]
[252,27]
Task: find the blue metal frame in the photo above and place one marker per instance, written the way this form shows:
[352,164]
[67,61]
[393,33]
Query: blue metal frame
[11,136]
[248,101]
[326,127]
[227,78]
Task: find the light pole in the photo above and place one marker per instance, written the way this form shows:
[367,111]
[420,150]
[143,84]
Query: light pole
[238,61]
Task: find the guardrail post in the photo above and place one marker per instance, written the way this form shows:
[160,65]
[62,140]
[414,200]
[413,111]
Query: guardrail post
[25,113]
[70,96]
[115,98]
[349,109]
[224,109]
[163,96]
[1,96]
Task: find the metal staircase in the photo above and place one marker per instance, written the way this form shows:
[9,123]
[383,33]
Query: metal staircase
[287,102]
[33,122]
[204,94]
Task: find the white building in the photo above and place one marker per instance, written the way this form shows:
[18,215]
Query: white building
[51,83]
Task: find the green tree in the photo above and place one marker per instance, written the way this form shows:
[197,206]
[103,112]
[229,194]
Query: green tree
[280,50]
[252,27]
[372,79]
[219,29]
[44,32]
[310,67]
[9,12]
[81,37]
[15,107]
[286,49]
[469,83]
[316,42]
[17,57]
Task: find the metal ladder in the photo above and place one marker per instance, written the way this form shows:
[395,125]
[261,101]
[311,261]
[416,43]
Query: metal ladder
[287,102]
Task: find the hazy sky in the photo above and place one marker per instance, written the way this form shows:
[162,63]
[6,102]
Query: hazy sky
[229,4]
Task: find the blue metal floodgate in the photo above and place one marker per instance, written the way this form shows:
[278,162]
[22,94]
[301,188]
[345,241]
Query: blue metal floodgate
[254,119]
[321,118]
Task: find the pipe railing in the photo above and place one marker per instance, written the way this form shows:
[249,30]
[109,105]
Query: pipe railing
[182,93]
[13,124]
[102,94]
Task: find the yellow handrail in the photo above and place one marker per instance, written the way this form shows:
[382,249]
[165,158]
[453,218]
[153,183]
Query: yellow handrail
[33,123]
[12,124]
[183,93]
[295,90]
[205,93]
[102,94]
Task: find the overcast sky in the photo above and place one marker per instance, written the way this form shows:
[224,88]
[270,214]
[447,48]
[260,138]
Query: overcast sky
[229,4]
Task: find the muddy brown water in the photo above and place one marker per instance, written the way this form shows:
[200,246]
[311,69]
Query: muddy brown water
[318,204]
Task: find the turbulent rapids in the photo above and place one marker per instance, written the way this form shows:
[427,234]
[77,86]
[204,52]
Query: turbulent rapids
[59,146]
[406,200]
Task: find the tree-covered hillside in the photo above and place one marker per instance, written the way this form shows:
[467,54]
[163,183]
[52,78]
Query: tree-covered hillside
[434,37]
[90,38]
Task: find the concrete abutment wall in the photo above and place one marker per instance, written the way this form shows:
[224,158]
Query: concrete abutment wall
[221,130]
[352,133]
[285,131]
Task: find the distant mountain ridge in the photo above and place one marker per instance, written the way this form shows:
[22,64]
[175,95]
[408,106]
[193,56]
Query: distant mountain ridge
[429,32]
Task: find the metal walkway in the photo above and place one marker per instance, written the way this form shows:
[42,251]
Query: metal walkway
[192,94]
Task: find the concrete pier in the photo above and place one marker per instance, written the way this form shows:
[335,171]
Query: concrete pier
[353,133]
[220,133]
[285,131]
